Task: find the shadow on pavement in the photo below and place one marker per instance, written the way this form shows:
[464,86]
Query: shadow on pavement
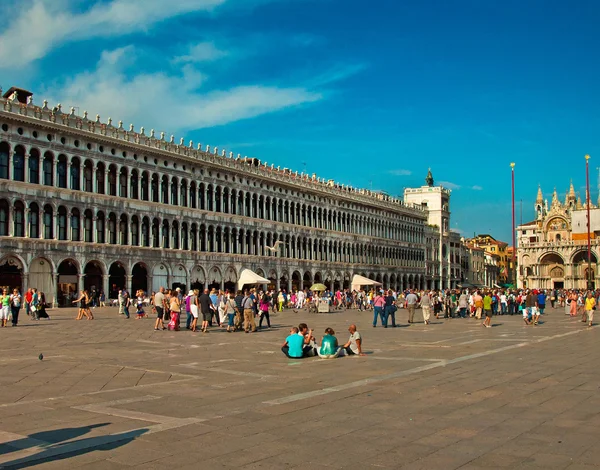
[54,447]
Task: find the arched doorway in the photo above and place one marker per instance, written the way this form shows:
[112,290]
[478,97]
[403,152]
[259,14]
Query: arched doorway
[198,279]
[11,274]
[179,278]
[67,282]
[40,277]
[214,278]
[116,279]
[296,281]
[283,281]
[139,278]
[306,280]
[230,279]
[582,274]
[93,276]
[160,277]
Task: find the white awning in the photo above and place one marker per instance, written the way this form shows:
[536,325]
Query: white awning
[248,277]
[358,281]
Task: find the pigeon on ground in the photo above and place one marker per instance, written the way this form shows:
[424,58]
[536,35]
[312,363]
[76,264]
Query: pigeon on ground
[41,356]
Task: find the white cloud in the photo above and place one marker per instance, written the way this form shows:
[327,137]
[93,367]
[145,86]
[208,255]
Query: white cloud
[400,172]
[449,185]
[38,26]
[202,52]
[172,101]
[477,188]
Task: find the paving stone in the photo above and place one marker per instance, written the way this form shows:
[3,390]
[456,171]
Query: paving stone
[452,395]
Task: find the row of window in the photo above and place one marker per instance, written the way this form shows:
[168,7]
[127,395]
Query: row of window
[98,227]
[153,187]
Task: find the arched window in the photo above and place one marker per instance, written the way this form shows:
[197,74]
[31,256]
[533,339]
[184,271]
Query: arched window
[34,166]
[75,228]
[165,234]
[19,225]
[61,170]
[193,195]
[175,235]
[174,191]
[145,187]
[48,159]
[112,229]
[146,232]
[62,223]
[123,230]
[155,233]
[88,175]
[100,169]
[19,163]
[183,194]
[155,189]
[48,222]
[135,231]
[134,185]
[4,149]
[164,190]
[112,180]
[123,182]
[34,220]
[75,169]
[4,211]
[88,226]
[100,223]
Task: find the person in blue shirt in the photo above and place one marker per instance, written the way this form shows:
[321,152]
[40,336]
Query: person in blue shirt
[293,346]
[542,301]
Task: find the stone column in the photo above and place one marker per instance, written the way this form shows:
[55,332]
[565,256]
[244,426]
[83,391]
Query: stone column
[94,228]
[80,283]
[55,290]
[105,278]
[26,169]
[55,172]
[24,283]
[27,217]
[128,283]
[10,164]
[106,172]
[94,180]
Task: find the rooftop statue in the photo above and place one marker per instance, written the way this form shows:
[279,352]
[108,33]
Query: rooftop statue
[429,178]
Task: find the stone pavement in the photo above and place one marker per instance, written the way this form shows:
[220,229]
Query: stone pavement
[115,394]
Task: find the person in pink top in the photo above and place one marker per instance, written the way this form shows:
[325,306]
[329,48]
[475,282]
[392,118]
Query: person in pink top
[379,304]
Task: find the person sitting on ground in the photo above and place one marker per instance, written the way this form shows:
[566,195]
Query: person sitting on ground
[293,345]
[310,346]
[329,348]
[354,345]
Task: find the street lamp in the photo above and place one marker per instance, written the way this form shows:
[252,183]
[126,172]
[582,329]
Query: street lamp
[589,242]
[513,228]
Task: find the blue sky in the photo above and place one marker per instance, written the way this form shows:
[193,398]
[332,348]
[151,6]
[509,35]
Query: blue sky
[370,94]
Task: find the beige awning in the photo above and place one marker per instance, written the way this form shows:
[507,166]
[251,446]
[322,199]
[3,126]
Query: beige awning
[248,277]
[358,281]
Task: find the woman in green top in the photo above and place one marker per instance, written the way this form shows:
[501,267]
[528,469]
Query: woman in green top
[329,345]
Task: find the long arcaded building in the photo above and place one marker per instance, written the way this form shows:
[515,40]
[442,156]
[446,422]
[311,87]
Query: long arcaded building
[88,203]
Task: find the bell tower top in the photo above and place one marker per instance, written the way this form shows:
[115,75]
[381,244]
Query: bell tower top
[429,178]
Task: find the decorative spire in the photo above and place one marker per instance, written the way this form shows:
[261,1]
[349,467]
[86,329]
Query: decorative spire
[555,202]
[579,204]
[572,196]
[540,196]
[429,178]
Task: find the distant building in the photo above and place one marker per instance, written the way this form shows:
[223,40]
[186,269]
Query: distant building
[498,249]
[444,252]
[552,249]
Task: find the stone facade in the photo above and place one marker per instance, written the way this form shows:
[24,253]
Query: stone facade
[85,203]
[552,250]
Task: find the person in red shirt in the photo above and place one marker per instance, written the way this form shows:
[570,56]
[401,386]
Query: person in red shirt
[28,299]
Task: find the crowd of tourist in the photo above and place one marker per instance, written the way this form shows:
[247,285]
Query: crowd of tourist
[242,310]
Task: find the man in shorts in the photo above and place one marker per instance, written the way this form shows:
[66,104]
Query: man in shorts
[159,306]
[487,310]
[206,308]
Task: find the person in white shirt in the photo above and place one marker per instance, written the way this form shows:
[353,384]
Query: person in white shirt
[354,345]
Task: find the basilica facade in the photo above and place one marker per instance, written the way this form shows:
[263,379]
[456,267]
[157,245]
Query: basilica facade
[85,203]
[552,250]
